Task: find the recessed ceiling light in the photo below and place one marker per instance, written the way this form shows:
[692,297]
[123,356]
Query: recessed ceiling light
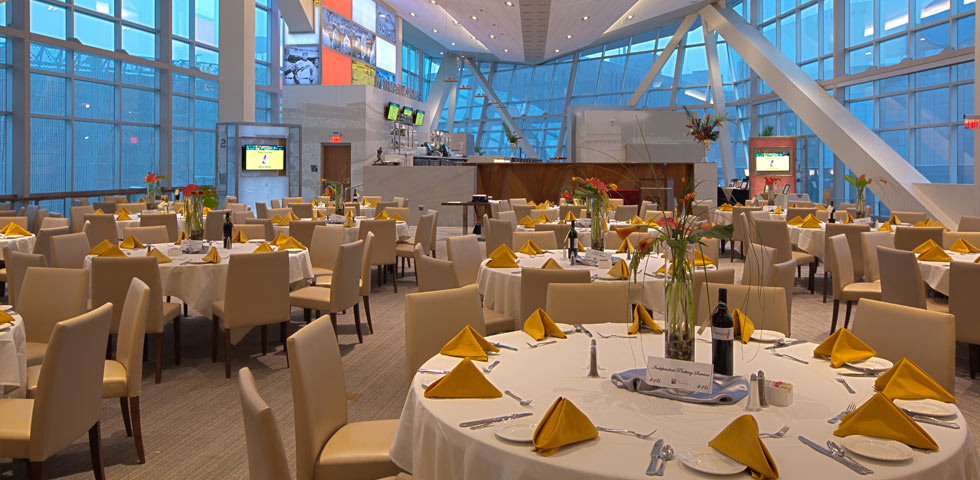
[509,4]
[585,18]
[452,43]
[506,50]
[556,50]
[568,36]
[412,14]
[432,2]
[629,17]
[435,30]
[381,15]
[491,36]
[473,17]
[455,22]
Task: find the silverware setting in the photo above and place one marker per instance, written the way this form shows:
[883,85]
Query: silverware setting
[484,422]
[837,450]
[843,382]
[501,345]
[654,457]
[580,328]
[601,335]
[931,420]
[778,434]
[784,343]
[850,408]
[520,400]
[436,372]
[488,368]
[666,455]
[780,354]
[838,456]
[862,374]
[642,436]
[536,345]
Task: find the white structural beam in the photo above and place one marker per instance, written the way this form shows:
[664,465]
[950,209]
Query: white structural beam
[298,15]
[439,91]
[855,144]
[658,64]
[236,78]
[501,108]
[718,99]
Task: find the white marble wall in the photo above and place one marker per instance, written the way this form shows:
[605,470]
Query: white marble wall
[426,186]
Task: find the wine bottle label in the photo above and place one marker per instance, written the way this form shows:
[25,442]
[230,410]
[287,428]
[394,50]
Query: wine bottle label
[724,334]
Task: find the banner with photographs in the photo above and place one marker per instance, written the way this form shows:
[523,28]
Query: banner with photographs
[385,24]
[362,74]
[301,66]
[362,46]
[337,32]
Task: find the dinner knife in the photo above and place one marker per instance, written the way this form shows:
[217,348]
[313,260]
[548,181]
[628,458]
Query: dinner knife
[501,418]
[580,328]
[841,460]
[500,345]
[934,421]
[786,344]
[654,456]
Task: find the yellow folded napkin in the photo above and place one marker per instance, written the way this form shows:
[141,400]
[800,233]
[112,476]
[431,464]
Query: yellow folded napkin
[531,203]
[503,249]
[396,217]
[810,223]
[963,246]
[276,218]
[641,317]
[374,203]
[551,264]
[843,347]
[14,229]
[160,256]
[925,246]
[291,242]
[620,269]
[821,208]
[934,223]
[548,204]
[539,324]
[263,248]
[906,380]
[112,251]
[292,216]
[5,318]
[283,222]
[563,424]
[542,219]
[131,243]
[382,216]
[700,260]
[527,222]
[122,217]
[463,381]
[212,256]
[530,248]
[581,248]
[739,204]
[740,440]
[743,325]
[935,254]
[468,343]
[725,207]
[624,247]
[921,223]
[317,214]
[652,221]
[637,220]
[180,238]
[99,212]
[795,221]
[240,237]
[502,260]
[570,217]
[280,238]
[885,227]
[101,247]
[349,222]
[349,214]
[879,417]
[894,220]
[778,210]
[122,211]
[848,219]
[206,211]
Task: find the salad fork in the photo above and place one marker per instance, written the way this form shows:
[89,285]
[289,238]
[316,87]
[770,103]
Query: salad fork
[601,335]
[843,381]
[641,436]
[850,408]
[536,345]
[779,434]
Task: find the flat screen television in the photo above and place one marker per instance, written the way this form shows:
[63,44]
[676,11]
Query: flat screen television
[391,111]
[408,112]
[419,117]
[263,158]
[772,162]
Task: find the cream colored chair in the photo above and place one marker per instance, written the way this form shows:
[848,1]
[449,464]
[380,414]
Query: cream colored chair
[618,202]
[282,212]
[870,241]
[423,233]
[739,233]
[42,244]
[69,251]
[148,235]
[511,217]
[908,217]
[106,206]
[710,248]
[77,216]
[433,273]
[256,294]
[907,238]
[270,230]
[236,207]
[464,252]
[17,265]
[324,246]
[371,198]
[435,228]
[401,202]
[965,305]
[252,232]
[775,234]
[101,227]
[266,453]
[287,201]
[402,212]
[758,265]
[383,250]
[274,203]
[551,214]
[544,239]
[40,313]
[626,213]
[239,218]
[343,291]
[577,210]
[54,222]
[534,288]
[133,207]
[517,201]
[365,282]
[521,211]
[968,224]
[793,212]
[302,230]
[610,240]
[168,220]
[302,210]
[845,288]
[261,210]
[853,233]
[765,306]
[949,238]
[721,276]
[499,232]
[598,302]
[116,198]
[434,318]
[896,332]
[560,231]
[69,396]
[901,280]
[656,215]
[383,206]
[75,202]
[214,225]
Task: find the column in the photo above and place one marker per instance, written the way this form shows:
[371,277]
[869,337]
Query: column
[236,77]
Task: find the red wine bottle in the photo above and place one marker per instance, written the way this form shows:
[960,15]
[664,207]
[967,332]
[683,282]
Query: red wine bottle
[722,336]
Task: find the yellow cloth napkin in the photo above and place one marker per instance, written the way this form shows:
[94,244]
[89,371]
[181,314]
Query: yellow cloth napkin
[280,238]
[743,324]
[922,223]
[503,249]
[396,217]
[276,218]
[925,246]
[160,256]
[934,223]
[620,269]
[121,217]
[122,211]
[212,256]
[374,203]
[5,318]
[570,217]
[283,222]
[317,214]
[382,216]
[624,247]
[539,324]
[906,380]
[702,261]
[637,220]
[581,248]
[795,221]
[292,216]
[725,207]
[963,246]
[810,223]
[879,417]
[821,208]
[778,210]
[291,242]
[843,347]
[14,229]
[848,219]
[99,212]
[652,221]
[531,203]
[240,237]
[263,248]
[527,222]
[548,204]
[530,248]
[206,211]
[894,220]
[502,260]
[180,238]
[542,219]
[112,251]
[563,424]
[468,343]
[463,381]
[131,243]
[551,264]
[935,254]
[349,222]
[101,247]
[740,440]
[642,317]
[885,227]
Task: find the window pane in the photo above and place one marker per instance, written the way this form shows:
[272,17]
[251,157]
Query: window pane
[206,60]
[181,54]
[94,100]
[930,10]
[892,51]
[611,75]
[182,157]
[932,106]
[96,32]
[141,75]
[142,12]
[860,22]
[585,77]
[205,114]
[261,35]
[47,19]
[139,43]
[893,111]
[965,32]
[206,22]
[94,149]
[893,18]
[931,40]
[182,112]
[787,36]
[49,154]
[139,106]
[860,60]
[48,95]
[809,32]
[205,88]
[139,154]
[181,17]
[102,6]
[694,70]
[94,66]
[932,153]
[204,158]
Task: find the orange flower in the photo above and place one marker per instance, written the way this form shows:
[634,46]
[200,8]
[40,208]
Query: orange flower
[624,232]
[612,186]
[645,244]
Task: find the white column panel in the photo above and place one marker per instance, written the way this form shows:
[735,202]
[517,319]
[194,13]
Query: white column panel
[236,77]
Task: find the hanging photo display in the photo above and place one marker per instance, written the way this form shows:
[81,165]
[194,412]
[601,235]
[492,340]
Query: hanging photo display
[362,46]
[337,32]
[301,66]
[385,24]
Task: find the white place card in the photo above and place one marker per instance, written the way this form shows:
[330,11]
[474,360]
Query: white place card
[863,221]
[680,374]
[597,256]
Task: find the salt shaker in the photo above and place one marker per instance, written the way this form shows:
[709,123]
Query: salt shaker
[593,361]
[753,403]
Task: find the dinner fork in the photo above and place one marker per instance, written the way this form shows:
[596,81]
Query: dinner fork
[780,354]
[779,434]
[850,408]
[843,381]
[536,345]
[601,335]
[490,367]
[641,436]
[520,400]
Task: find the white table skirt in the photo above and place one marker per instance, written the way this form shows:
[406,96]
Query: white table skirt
[430,444]
[18,244]
[402,232]
[13,358]
[122,225]
[936,274]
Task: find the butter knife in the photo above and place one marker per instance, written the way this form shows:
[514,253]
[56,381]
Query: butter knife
[786,344]
[501,418]
[934,421]
[500,345]
[654,456]
[827,452]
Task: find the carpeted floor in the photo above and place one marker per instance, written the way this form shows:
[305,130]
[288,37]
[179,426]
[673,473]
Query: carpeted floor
[192,424]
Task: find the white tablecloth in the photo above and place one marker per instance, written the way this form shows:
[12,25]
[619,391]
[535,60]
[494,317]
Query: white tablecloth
[430,444]
[17,244]
[134,221]
[936,274]
[809,240]
[402,232]
[364,211]
[13,358]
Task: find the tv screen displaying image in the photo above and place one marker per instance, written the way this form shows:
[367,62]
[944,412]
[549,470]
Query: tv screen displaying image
[263,157]
[419,117]
[772,161]
[391,111]
[408,112]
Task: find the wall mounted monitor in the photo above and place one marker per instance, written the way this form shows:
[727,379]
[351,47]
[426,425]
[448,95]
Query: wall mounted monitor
[391,111]
[419,117]
[772,161]
[263,158]
[408,113]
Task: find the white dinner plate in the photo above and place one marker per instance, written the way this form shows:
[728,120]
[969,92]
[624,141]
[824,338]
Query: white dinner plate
[7,308]
[926,406]
[708,460]
[610,278]
[565,328]
[294,250]
[14,236]
[522,432]
[767,336]
[873,364]
[877,448]
[256,240]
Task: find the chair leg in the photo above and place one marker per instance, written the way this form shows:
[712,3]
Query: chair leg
[177,341]
[813,275]
[134,409]
[974,360]
[124,406]
[214,339]
[833,322]
[95,446]
[731,256]
[265,339]
[799,270]
[35,470]
[159,372]
[825,285]
[847,313]
[227,353]
[185,310]
[108,347]
[146,341]
[333,320]
[306,315]
[357,322]
[394,276]
[367,312]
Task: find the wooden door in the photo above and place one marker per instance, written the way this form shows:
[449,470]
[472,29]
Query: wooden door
[335,162]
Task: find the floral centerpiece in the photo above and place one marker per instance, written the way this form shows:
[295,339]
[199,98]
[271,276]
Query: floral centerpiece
[595,194]
[704,130]
[860,184]
[335,190]
[195,199]
[770,189]
[153,189]
[680,234]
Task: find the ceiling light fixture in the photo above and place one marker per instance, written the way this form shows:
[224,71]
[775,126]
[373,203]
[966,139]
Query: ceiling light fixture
[473,17]
[413,14]
[455,22]
[556,50]
[509,4]
[432,2]
[452,43]
[435,30]
[491,36]
[585,18]
[506,50]
[629,17]
[568,36]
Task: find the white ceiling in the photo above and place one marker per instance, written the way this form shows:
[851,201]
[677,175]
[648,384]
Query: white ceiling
[530,31]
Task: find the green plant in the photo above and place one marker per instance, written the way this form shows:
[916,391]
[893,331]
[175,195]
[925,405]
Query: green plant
[478,151]
[511,137]
[768,131]
[704,130]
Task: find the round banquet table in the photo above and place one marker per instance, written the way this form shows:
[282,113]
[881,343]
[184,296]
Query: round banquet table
[17,243]
[936,274]
[430,444]
[13,358]
[402,232]
[364,210]
[134,221]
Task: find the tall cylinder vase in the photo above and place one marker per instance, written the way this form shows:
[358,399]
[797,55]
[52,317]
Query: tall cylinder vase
[597,217]
[194,219]
[860,206]
[679,337]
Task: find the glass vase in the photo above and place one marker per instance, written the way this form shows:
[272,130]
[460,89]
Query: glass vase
[597,217]
[859,204]
[338,204]
[679,335]
[194,218]
[151,195]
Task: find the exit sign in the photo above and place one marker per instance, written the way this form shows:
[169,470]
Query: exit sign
[335,138]
[971,122]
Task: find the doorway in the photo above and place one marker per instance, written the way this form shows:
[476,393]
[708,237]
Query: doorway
[335,162]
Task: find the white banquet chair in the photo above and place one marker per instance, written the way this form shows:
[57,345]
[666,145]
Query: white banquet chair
[597,302]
